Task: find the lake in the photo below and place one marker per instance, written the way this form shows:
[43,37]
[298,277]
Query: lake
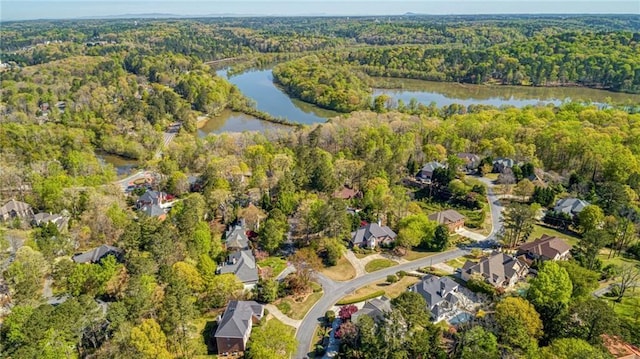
[122,165]
[258,85]
[231,121]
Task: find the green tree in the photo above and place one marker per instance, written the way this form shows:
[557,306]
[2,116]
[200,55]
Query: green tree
[412,306]
[551,285]
[25,275]
[571,348]
[149,340]
[518,224]
[583,280]
[590,218]
[441,237]
[588,248]
[263,346]
[592,318]
[518,323]
[477,343]
[416,229]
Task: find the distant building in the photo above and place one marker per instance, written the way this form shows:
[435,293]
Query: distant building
[374,308]
[236,238]
[571,206]
[450,218]
[545,248]
[439,293]
[471,160]
[426,173]
[347,193]
[500,164]
[499,269]
[372,235]
[96,254]
[150,198]
[15,209]
[61,221]
[235,325]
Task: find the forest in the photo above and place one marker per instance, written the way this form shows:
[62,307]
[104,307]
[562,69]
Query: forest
[75,90]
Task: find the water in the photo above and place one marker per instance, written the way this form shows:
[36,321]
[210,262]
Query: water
[258,85]
[444,94]
[230,121]
[122,165]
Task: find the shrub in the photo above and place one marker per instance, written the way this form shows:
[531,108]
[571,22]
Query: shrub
[392,278]
[401,274]
[329,317]
[319,350]
[360,299]
[478,285]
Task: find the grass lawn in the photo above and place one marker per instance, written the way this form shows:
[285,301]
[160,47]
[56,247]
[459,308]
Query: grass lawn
[276,264]
[460,261]
[390,290]
[202,330]
[539,230]
[413,254]
[378,264]
[619,260]
[341,272]
[297,308]
[630,305]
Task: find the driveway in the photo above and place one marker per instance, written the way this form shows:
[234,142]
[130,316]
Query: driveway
[471,235]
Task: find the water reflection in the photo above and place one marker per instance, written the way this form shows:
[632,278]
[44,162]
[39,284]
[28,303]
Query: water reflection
[230,121]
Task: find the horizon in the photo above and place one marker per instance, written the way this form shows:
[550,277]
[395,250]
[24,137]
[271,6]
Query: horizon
[32,10]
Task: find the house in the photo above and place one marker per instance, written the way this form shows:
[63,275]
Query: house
[500,164]
[426,173]
[374,308]
[243,265]
[372,235]
[154,210]
[236,238]
[439,293]
[96,254]
[61,221]
[620,349]
[499,269]
[234,327]
[347,193]
[150,198]
[471,160]
[450,218]
[571,206]
[545,248]
[15,209]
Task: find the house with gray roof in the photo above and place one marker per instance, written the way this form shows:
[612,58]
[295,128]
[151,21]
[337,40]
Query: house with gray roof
[243,265]
[234,327]
[60,220]
[571,206]
[500,164]
[439,293]
[96,254]
[15,209]
[236,238]
[372,235]
[426,173]
[471,160]
[150,198]
[499,269]
[374,308]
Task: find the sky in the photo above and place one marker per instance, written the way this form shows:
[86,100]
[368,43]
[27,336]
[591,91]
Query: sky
[11,10]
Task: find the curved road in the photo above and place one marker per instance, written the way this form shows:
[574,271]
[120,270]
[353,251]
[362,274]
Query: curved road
[333,291]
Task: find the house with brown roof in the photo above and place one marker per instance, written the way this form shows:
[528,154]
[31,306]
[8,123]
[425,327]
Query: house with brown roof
[234,327]
[450,218]
[15,209]
[545,248]
[620,349]
[499,269]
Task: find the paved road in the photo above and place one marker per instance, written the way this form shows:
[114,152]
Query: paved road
[333,291]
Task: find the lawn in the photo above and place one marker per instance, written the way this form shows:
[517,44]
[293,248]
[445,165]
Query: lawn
[378,264]
[297,308]
[390,290]
[619,260]
[202,330]
[417,253]
[460,261]
[276,264]
[341,272]
[539,230]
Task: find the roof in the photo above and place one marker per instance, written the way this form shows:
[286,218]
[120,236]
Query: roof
[236,237]
[468,157]
[374,308]
[243,265]
[16,206]
[236,318]
[96,254]
[496,268]
[435,289]
[570,205]
[431,166]
[59,220]
[151,196]
[446,217]
[364,233]
[545,246]
[153,210]
[347,193]
[504,162]
[619,348]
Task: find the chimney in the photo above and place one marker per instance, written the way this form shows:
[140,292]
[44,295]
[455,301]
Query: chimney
[442,287]
[380,222]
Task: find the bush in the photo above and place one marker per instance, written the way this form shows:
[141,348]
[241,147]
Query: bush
[478,285]
[392,278]
[360,299]
[319,350]
[329,317]
[634,251]
[401,274]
